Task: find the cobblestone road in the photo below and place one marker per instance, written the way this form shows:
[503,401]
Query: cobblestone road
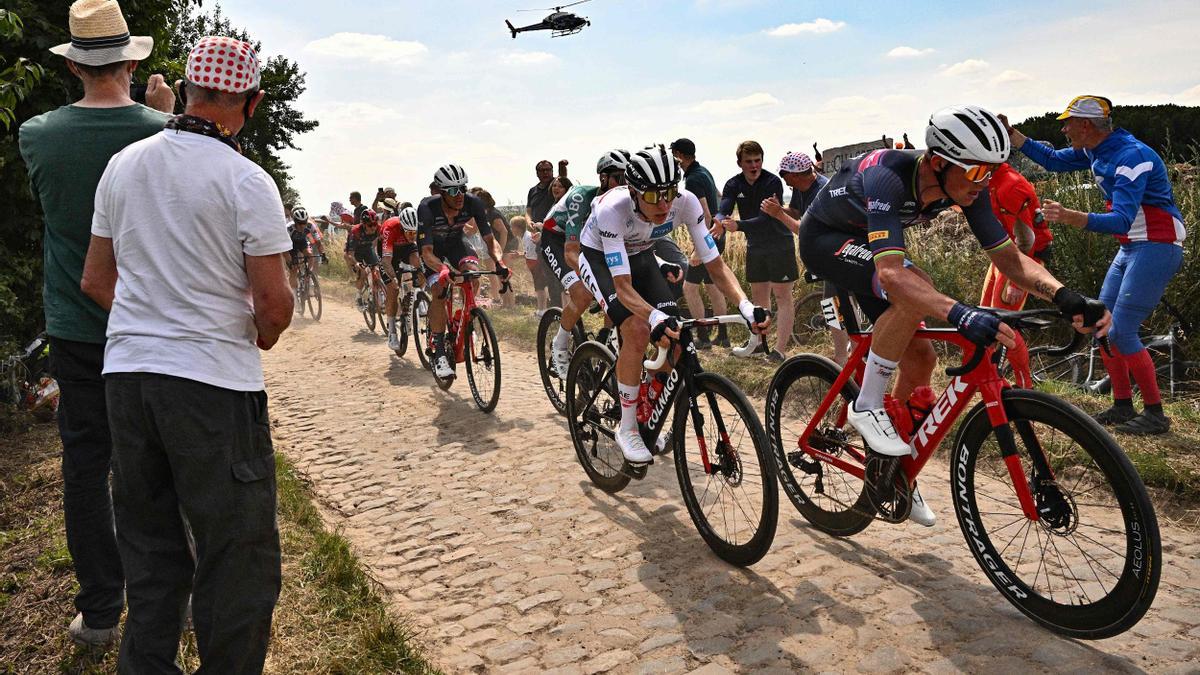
[488,537]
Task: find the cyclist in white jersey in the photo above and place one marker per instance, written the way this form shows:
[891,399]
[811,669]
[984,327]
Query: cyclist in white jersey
[619,267]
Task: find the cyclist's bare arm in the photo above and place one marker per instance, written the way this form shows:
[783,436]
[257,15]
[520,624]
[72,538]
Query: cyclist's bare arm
[431,261]
[493,249]
[630,297]
[1033,278]
[907,288]
[100,272]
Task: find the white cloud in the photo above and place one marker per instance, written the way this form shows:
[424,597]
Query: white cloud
[968,67]
[814,27]
[494,123]
[906,52]
[1011,76]
[521,58]
[356,114]
[1191,96]
[750,101]
[366,47]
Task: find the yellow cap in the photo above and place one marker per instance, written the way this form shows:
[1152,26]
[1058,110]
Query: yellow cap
[1093,107]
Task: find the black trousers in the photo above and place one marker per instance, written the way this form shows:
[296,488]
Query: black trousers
[184,447]
[86,458]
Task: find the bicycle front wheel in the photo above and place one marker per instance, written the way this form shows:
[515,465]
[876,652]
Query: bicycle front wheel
[313,298]
[725,471]
[482,353]
[1089,566]
[368,311]
[420,329]
[593,415]
[834,500]
[402,333]
[554,386]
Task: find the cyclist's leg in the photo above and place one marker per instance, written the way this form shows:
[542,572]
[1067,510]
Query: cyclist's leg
[919,360]
[293,272]
[437,306]
[839,336]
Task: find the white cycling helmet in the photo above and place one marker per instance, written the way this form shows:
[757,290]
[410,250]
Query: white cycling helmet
[450,176]
[300,214]
[968,133]
[408,219]
[613,160]
[652,169]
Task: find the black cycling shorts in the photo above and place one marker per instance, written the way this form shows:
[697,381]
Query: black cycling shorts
[552,250]
[698,274]
[775,265]
[648,281]
[401,255]
[366,255]
[454,251]
[844,260]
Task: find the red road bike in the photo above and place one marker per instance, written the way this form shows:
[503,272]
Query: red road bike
[1052,509]
[470,338]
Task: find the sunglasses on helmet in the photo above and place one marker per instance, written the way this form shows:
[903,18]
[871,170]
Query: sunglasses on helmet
[655,196]
[453,191]
[976,173]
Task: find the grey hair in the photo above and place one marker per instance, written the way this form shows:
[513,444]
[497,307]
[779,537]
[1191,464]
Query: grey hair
[198,94]
[1103,124]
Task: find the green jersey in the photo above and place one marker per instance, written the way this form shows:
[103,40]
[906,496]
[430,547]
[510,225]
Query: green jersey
[571,212]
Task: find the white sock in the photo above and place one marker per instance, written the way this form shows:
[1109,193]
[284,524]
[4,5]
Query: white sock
[562,339]
[392,324]
[629,397]
[876,376]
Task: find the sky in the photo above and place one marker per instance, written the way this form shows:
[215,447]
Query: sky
[402,87]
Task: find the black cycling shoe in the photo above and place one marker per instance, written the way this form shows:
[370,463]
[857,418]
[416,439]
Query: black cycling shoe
[1117,414]
[703,343]
[722,337]
[1149,423]
[776,356]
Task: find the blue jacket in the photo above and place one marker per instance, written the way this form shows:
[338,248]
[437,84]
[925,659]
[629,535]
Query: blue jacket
[1134,181]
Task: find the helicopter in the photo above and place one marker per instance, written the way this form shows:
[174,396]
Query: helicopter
[560,23]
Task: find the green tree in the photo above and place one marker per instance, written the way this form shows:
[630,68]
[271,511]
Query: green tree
[1168,129]
[277,122]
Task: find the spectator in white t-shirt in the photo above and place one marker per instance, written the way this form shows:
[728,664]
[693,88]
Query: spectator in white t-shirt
[196,284]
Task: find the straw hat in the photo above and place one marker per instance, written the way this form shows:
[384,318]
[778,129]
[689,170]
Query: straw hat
[99,35]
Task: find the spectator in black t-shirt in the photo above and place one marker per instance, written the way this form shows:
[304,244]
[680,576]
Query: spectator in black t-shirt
[539,200]
[771,266]
[357,205]
[698,181]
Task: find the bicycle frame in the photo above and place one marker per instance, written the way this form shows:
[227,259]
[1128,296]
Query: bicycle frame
[928,434]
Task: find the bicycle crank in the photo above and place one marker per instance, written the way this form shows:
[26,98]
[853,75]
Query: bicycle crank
[888,488]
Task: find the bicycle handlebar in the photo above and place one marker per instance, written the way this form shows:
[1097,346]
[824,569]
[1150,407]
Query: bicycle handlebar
[1018,321]
[661,356]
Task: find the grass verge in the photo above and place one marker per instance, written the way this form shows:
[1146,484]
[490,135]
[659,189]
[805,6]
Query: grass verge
[330,617]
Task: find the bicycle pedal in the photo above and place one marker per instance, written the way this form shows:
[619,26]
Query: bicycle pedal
[888,488]
[662,445]
[636,471]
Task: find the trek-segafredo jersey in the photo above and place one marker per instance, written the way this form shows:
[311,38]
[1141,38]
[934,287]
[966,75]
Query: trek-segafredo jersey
[616,228]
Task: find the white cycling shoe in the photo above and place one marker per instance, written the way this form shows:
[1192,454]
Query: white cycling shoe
[560,358]
[877,430]
[393,340]
[749,348]
[921,514]
[441,367]
[633,447]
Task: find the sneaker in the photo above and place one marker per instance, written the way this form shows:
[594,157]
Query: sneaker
[921,514]
[560,359]
[393,340]
[441,366]
[1117,414]
[776,356]
[1149,423]
[92,637]
[633,447]
[877,430]
[752,345]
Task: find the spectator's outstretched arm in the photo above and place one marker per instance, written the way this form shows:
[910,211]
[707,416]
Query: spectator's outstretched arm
[273,302]
[100,272]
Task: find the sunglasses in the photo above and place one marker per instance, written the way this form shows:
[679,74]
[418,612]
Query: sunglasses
[656,196]
[976,173]
[453,191]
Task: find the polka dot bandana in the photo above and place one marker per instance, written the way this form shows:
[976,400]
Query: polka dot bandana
[223,64]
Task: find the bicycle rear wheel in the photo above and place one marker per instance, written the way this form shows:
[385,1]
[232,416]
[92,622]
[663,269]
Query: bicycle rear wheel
[1089,566]
[299,293]
[547,328]
[732,500]
[313,298]
[833,500]
[483,360]
[808,326]
[368,310]
[420,329]
[593,414]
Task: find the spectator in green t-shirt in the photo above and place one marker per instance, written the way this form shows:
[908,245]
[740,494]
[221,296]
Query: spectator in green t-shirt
[66,151]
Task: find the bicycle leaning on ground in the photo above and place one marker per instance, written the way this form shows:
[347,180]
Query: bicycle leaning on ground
[470,338]
[1052,509]
[723,468]
[25,381]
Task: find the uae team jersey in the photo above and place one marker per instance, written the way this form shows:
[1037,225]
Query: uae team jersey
[877,193]
[616,228]
[571,212]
